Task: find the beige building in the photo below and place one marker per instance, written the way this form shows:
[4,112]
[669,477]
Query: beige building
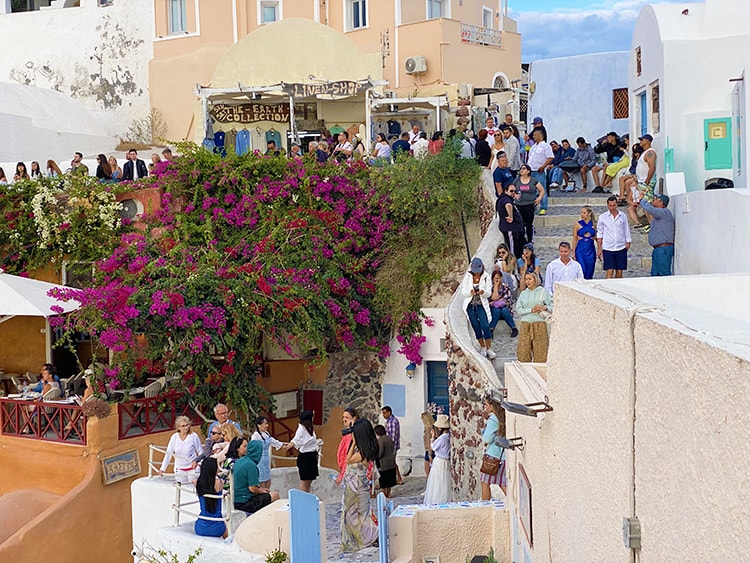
[422,47]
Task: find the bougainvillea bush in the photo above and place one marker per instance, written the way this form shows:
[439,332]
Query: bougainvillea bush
[245,249]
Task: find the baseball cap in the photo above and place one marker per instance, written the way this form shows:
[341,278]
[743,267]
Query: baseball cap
[537,119]
[529,246]
[664,199]
[648,137]
[476,265]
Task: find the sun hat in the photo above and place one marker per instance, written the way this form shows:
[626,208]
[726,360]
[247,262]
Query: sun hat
[442,421]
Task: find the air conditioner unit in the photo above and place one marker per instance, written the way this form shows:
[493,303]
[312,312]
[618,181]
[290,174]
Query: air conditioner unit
[136,204]
[415,65]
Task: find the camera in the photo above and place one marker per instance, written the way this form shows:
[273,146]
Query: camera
[346,431]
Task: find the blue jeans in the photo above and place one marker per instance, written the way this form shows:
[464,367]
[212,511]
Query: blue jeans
[479,322]
[501,313]
[661,260]
[542,179]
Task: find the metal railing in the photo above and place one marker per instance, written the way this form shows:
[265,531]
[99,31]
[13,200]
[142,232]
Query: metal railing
[139,417]
[481,35]
[43,420]
[226,497]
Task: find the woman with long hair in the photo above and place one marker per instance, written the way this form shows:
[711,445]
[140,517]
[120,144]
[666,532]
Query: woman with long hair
[103,170]
[476,288]
[501,303]
[494,455]
[436,143]
[3,177]
[496,147]
[21,173]
[507,263]
[261,434]
[534,304]
[348,418]
[237,449]
[584,241]
[528,262]
[209,483]
[381,152]
[36,172]
[438,488]
[185,445]
[115,169]
[530,194]
[53,170]
[306,443]
[358,530]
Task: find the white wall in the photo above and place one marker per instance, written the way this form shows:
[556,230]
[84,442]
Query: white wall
[740,113]
[574,95]
[96,55]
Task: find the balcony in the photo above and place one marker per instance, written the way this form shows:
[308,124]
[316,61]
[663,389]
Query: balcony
[478,35]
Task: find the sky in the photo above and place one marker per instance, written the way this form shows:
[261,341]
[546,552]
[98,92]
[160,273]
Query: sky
[561,28]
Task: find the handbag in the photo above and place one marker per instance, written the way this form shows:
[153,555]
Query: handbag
[490,465]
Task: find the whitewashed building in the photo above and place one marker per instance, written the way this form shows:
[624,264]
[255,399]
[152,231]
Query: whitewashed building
[683,60]
[583,95]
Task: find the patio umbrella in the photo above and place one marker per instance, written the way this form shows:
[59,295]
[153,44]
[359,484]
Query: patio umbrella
[27,297]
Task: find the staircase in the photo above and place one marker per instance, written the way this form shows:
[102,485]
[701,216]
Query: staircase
[553,228]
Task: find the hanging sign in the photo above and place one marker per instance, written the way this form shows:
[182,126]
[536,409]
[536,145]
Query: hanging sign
[250,113]
[346,88]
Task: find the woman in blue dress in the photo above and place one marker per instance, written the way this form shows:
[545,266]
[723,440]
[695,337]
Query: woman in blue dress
[584,238]
[261,434]
[209,484]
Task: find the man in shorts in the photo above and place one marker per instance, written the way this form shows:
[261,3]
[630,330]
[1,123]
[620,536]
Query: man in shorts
[613,239]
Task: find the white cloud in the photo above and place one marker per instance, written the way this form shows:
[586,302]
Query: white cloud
[562,32]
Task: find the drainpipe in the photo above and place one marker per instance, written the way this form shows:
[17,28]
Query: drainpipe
[235,35]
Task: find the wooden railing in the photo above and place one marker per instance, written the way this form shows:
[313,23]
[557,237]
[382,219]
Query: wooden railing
[139,417]
[481,35]
[52,422]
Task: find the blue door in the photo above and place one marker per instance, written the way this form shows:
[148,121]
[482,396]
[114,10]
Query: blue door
[644,114]
[718,143]
[437,384]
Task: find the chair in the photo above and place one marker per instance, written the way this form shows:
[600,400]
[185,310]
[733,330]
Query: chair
[153,389]
[16,379]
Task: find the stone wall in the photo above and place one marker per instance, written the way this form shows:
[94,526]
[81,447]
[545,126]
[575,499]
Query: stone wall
[354,380]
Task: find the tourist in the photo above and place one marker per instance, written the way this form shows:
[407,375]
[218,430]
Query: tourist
[613,239]
[77,166]
[437,143]
[228,433]
[538,124]
[87,394]
[661,234]
[237,449]
[155,159]
[476,288]
[214,438]
[321,154]
[438,489]
[209,483]
[402,146]
[295,151]
[221,412]
[3,177]
[622,198]
[414,134]
[134,168]
[306,443]
[610,146]
[534,306]
[565,154]
[497,147]
[261,435]
[167,155]
[530,196]
[507,263]
[502,176]
[381,152]
[492,471]
[48,374]
[645,170]
[21,173]
[512,148]
[501,302]
[115,168]
[348,418]
[528,262]
[421,147]
[491,126]
[358,530]
[584,160]
[584,237]
[186,447]
[249,496]
[103,171]
[428,421]
[510,222]
[386,461]
[561,269]
[540,156]
[482,150]
[36,172]
[393,429]
[53,170]
[344,149]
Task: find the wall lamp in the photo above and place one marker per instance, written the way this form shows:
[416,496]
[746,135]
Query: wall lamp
[510,443]
[410,370]
[530,409]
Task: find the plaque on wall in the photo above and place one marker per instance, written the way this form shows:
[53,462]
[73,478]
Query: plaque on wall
[121,466]
[287,404]
[250,113]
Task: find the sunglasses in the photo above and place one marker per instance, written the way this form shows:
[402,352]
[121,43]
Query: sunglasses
[215,433]
[511,191]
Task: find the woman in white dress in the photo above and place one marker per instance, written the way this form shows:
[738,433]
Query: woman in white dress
[496,147]
[438,488]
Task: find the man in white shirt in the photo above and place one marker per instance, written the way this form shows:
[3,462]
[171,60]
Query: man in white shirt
[344,148]
[420,148]
[540,156]
[613,239]
[562,269]
[413,135]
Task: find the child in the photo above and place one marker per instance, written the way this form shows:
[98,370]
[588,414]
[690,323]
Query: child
[386,461]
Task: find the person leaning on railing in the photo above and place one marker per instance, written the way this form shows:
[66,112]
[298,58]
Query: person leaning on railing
[186,447]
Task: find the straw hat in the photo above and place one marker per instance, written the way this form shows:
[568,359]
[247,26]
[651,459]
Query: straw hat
[442,421]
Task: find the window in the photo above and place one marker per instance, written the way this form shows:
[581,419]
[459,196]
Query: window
[655,107]
[269,11]
[620,108]
[487,17]
[356,14]
[638,66]
[177,17]
[437,9]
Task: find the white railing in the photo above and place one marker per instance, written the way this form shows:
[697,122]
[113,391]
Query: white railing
[481,35]
[226,497]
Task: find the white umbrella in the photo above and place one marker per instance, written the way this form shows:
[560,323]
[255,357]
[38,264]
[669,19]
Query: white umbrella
[27,297]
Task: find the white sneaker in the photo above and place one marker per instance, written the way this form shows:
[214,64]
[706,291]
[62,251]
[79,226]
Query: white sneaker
[491,354]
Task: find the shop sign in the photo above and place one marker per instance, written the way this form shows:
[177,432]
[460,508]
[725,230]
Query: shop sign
[250,113]
[121,466]
[345,88]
